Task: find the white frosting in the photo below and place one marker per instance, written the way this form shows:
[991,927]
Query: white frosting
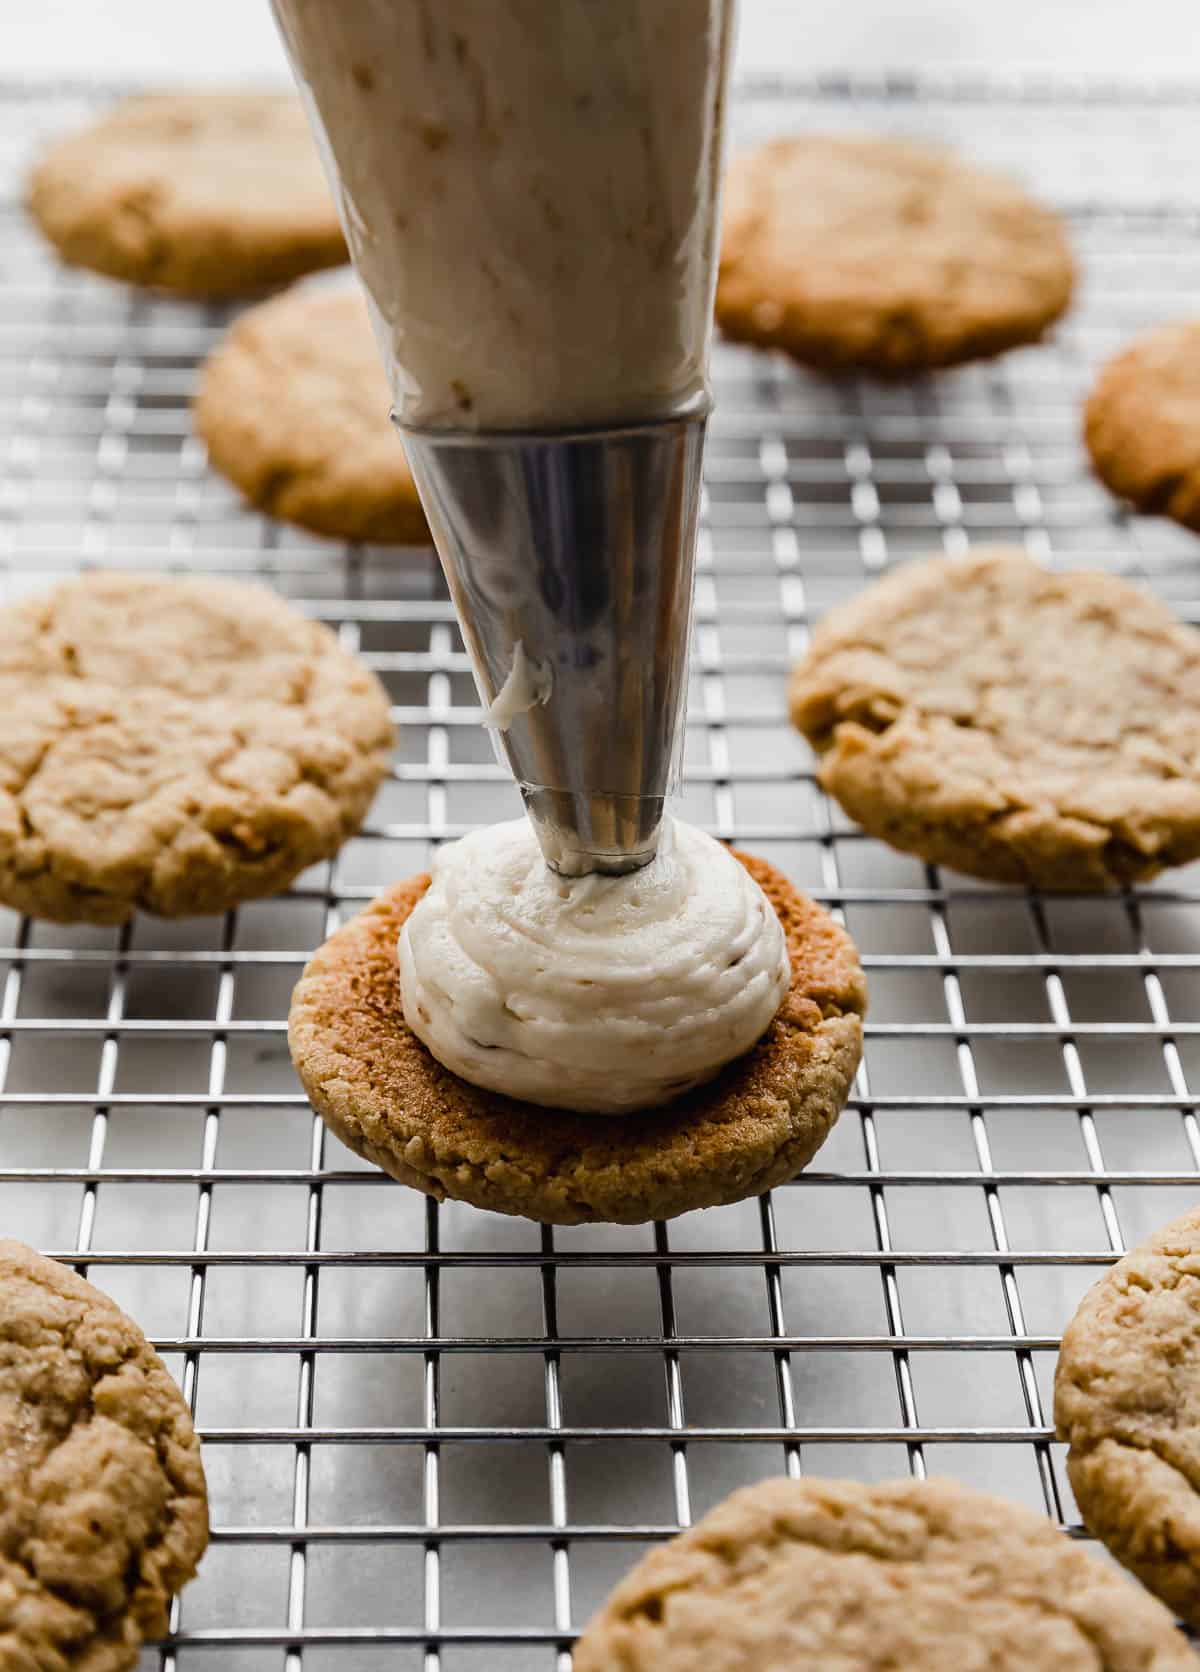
[527,684]
[529,192]
[600,994]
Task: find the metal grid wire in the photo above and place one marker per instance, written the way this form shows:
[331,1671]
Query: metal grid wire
[434,1437]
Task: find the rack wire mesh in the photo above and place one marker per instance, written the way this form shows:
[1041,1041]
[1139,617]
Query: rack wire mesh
[434,1437]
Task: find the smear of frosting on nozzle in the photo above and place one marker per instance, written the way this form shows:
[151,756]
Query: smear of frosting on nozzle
[527,686]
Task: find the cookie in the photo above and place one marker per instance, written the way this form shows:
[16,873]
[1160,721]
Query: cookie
[1142,423]
[1127,1402]
[205,194]
[758,1123]
[876,255]
[293,406]
[813,1575]
[1015,724]
[175,745]
[103,1509]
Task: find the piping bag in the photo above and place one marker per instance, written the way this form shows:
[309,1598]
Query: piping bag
[530,193]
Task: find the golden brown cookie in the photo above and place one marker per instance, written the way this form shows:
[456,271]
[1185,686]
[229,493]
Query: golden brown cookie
[206,194]
[175,745]
[758,1123]
[876,255]
[1127,1402]
[1142,423]
[813,1575]
[293,406]
[103,1509]
[1016,724]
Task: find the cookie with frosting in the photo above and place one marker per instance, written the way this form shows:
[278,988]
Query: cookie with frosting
[707,1063]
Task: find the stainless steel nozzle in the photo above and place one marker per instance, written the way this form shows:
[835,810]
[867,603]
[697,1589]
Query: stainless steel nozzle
[569,558]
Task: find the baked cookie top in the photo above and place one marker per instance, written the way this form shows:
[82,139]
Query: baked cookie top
[175,745]
[103,1510]
[1127,1402]
[860,253]
[1142,422]
[293,406]
[1014,723]
[816,1574]
[203,193]
[755,1125]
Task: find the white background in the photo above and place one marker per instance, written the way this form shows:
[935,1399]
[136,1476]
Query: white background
[185,40]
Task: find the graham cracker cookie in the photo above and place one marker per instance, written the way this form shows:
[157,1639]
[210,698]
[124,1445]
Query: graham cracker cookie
[1013,723]
[1142,423]
[202,193]
[860,253]
[817,1575]
[759,1122]
[176,746]
[293,406]
[1127,1402]
[103,1508]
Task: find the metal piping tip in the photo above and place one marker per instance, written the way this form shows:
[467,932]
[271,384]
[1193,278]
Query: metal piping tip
[570,558]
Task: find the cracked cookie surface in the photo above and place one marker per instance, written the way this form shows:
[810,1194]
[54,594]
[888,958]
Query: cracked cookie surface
[1016,724]
[753,1126]
[293,406]
[1142,423]
[204,193]
[103,1509]
[1127,1402]
[176,746]
[817,1575]
[856,253]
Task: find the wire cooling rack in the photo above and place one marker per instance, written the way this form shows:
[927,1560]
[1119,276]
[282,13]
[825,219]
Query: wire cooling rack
[435,1437]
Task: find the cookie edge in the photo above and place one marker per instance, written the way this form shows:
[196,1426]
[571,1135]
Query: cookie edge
[286,490]
[1037,848]
[147,1612]
[896,352]
[759,1513]
[1140,1506]
[70,899]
